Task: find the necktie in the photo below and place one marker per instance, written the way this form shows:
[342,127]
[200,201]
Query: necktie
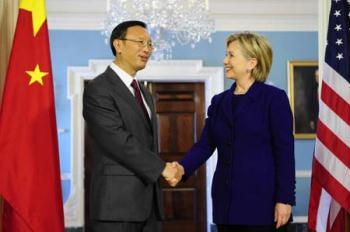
[138,97]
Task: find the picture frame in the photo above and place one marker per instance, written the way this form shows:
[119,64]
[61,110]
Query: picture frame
[303,96]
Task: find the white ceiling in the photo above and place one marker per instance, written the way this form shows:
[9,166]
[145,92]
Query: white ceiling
[229,15]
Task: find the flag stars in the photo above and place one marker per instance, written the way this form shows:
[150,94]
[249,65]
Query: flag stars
[337,13]
[340,56]
[336,1]
[36,75]
[339,42]
[338,27]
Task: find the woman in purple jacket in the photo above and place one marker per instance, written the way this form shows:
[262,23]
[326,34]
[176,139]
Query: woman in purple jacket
[251,127]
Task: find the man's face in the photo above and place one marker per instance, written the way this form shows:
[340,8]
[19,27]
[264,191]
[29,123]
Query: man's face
[135,49]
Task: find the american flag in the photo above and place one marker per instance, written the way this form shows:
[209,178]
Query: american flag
[330,183]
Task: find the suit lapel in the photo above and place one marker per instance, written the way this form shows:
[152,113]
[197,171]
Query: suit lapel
[149,101]
[227,105]
[248,100]
[123,92]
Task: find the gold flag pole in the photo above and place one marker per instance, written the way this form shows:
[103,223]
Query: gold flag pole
[8,19]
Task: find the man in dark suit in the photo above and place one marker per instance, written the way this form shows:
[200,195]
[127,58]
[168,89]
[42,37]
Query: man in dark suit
[120,118]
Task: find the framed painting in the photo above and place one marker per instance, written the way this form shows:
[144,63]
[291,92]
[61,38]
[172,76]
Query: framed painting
[303,96]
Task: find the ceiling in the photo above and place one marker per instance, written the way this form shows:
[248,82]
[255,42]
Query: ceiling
[229,15]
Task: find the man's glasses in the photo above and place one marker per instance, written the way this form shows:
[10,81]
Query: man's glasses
[141,43]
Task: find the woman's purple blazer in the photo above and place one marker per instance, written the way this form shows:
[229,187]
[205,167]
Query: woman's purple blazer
[255,145]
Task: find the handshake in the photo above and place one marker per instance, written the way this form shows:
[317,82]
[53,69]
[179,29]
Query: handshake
[173,173]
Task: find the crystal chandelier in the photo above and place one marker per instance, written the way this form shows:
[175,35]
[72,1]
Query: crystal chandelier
[169,21]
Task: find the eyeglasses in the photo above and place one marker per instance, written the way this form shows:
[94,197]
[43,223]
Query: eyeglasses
[141,43]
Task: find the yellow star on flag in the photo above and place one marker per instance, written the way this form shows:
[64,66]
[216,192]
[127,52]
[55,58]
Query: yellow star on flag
[37,7]
[36,75]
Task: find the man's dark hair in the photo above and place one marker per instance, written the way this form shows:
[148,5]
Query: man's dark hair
[119,32]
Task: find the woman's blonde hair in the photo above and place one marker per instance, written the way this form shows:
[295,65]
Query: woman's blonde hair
[255,46]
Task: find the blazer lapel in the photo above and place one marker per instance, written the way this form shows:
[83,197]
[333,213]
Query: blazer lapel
[227,105]
[252,94]
[124,93]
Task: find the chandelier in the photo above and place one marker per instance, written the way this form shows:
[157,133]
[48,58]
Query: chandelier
[169,21]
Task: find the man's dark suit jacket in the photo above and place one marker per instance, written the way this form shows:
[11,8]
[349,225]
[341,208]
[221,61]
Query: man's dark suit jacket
[255,145]
[126,165]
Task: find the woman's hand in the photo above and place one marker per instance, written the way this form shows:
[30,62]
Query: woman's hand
[282,214]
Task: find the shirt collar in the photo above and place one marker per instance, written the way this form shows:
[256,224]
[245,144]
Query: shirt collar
[124,76]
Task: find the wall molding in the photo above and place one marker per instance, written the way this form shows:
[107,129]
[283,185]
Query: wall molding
[229,15]
[162,71]
[303,174]
[300,219]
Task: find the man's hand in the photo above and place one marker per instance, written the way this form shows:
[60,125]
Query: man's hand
[282,214]
[173,173]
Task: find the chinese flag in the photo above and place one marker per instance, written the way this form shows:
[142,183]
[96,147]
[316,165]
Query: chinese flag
[29,164]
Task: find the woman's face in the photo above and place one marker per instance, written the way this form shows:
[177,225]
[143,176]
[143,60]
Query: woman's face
[237,67]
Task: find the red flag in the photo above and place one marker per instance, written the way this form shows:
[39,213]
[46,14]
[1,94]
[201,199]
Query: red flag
[29,165]
[330,184]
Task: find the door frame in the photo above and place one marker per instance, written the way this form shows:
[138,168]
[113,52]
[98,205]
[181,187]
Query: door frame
[159,71]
